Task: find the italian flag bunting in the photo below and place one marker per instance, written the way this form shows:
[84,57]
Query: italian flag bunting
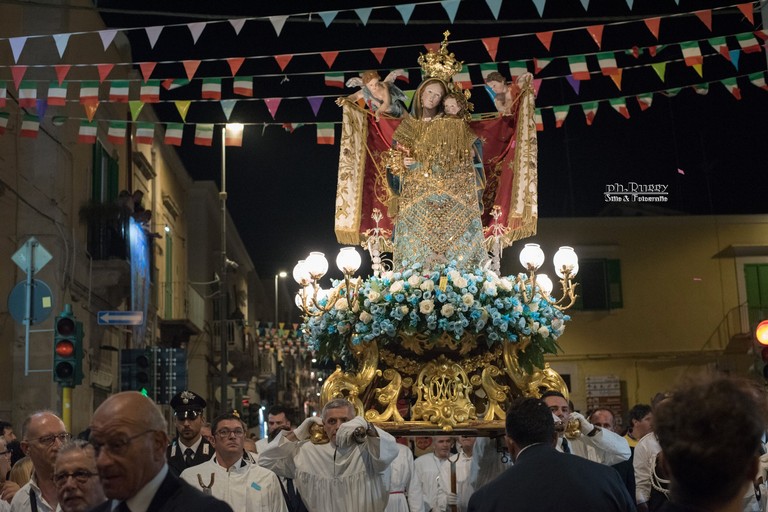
[30,126]
[243,86]
[578,65]
[116,132]
[720,46]
[620,105]
[645,100]
[334,80]
[145,133]
[517,68]
[538,120]
[748,43]
[488,68]
[732,86]
[4,116]
[27,94]
[211,89]
[691,53]
[118,91]
[87,132]
[462,78]
[57,94]
[758,80]
[590,111]
[150,91]
[561,112]
[325,133]
[539,64]
[204,134]
[173,134]
[3,93]
[607,62]
[89,92]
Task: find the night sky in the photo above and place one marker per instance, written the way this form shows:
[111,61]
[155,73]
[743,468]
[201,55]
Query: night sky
[708,149]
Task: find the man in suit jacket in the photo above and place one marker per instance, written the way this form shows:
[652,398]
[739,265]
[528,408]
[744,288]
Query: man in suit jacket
[544,478]
[128,433]
[190,447]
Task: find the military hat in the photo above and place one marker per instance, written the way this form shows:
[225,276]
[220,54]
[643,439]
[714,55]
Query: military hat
[187,405]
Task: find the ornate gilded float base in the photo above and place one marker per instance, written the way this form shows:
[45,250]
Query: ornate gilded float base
[419,385]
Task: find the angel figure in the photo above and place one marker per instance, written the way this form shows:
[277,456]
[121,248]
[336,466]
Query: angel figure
[380,95]
[504,93]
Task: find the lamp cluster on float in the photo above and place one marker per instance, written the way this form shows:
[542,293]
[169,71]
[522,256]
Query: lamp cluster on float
[312,299]
[566,264]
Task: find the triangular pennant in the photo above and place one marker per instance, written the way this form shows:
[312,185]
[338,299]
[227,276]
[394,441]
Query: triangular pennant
[315,102]
[630,3]
[653,26]
[733,56]
[135,107]
[645,100]
[705,16]
[536,86]
[561,112]
[235,63]
[61,41]
[540,6]
[328,17]
[272,104]
[364,13]
[409,98]
[747,11]
[758,80]
[104,70]
[492,46]
[620,105]
[18,73]
[17,45]
[575,83]
[195,29]
[698,69]
[732,86]
[379,53]
[283,60]
[405,11]
[653,50]
[325,133]
[495,7]
[227,106]
[596,31]
[107,36]
[590,111]
[146,69]
[616,77]
[277,23]
[545,38]
[432,47]
[660,68]
[190,66]
[183,107]
[450,6]
[585,4]
[720,46]
[237,24]
[90,107]
[153,33]
[61,71]
[41,106]
[539,64]
[329,57]
[701,89]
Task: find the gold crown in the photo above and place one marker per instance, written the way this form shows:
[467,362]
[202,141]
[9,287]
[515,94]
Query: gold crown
[440,64]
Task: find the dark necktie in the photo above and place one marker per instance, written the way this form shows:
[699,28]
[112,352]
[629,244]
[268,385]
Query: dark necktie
[189,455]
[566,448]
[122,507]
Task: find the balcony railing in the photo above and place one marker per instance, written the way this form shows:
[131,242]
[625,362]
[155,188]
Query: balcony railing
[179,301]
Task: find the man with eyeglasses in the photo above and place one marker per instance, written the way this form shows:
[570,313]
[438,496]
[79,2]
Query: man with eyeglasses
[128,432]
[76,478]
[42,435]
[189,448]
[232,474]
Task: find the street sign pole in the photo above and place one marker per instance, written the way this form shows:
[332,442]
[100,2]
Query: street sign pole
[28,303]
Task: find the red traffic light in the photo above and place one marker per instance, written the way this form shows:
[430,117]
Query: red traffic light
[65,348]
[761,332]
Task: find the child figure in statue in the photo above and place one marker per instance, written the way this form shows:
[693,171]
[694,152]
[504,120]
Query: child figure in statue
[380,96]
[438,215]
[506,93]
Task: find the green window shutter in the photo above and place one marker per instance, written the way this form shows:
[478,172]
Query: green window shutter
[615,298]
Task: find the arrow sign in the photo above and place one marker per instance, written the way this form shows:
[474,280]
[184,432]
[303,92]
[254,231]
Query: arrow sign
[121,317]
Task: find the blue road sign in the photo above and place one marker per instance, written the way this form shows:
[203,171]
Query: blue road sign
[121,317]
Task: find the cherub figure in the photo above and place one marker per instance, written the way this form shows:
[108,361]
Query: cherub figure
[455,104]
[505,93]
[380,95]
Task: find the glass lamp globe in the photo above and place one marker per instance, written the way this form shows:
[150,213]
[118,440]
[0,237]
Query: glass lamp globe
[531,257]
[544,283]
[298,300]
[565,258]
[317,265]
[348,260]
[301,274]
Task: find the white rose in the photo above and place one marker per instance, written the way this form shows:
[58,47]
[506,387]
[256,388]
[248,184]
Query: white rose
[454,275]
[533,306]
[460,282]
[557,324]
[366,317]
[446,310]
[489,289]
[505,284]
[404,310]
[396,287]
[544,331]
[467,299]
[414,280]
[428,285]
[426,306]
[373,296]
[342,304]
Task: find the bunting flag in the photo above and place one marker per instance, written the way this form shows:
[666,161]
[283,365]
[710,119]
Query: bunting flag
[462,78]
[27,94]
[57,94]
[578,66]
[195,30]
[545,38]
[620,105]
[671,93]
[272,104]
[3,93]
[325,133]
[379,53]
[116,132]
[173,134]
[329,57]
[363,14]
[135,108]
[104,70]
[645,100]
[539,64]
[243,86]
[290,127]
[61,71]
[538,120]
[590,111]
[203,134]
[607,62]
[576,84]
[720,46]
[733,56]
[561,112]
[758,79]
[17,45]
[211,89]
[4,116]
[492,46]
[328,17]
[153,33]
[118,91]
[146,69]
[30,126]
[517,68]
[89,92]
[653,26]
[171,83]
[283,60]
[334,80]
[748,43]
[691,53]
[235,63]
[227,106]
[706,17]
[41,105]
[596,31]
[660,68]
[87,132]
[315,102]
[190,66]
[233,137]
[402,74]
[701,89]
[747,10]
[183,107]
[405,11]
[150,91]
[616,77]
[488,68]
[107,36]
[18,73]
[90,108]
[539,4]
[732,86]
[495,7]
[277,23]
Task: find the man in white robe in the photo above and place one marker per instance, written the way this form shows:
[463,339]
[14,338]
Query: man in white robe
[434,470]
[348,473]
[232,474]
[405,493]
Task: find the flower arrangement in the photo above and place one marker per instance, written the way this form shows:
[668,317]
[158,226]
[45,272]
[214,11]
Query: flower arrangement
[436,302]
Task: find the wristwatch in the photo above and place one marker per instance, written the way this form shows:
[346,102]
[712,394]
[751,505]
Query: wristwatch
[594,431]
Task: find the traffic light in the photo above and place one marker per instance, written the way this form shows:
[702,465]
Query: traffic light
[67,349]
[245,410]
[136,371]
[761,336]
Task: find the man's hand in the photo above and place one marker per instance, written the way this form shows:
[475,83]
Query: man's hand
[344,435]
[452,498]
[585,426]
[303,431]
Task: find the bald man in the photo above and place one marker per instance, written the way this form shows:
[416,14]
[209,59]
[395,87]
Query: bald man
[130,437]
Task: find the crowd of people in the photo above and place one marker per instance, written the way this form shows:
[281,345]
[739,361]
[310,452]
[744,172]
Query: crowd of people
[700,447]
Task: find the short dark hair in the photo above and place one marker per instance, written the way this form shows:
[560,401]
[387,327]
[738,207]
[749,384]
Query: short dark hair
[280,409]
[638,412]
[530,421]
[495,76]
[710,433]
[552,392]
[226,416]
[4,425]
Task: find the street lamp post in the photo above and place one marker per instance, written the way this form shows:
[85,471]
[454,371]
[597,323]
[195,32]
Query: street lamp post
[278,365]
[280,274]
